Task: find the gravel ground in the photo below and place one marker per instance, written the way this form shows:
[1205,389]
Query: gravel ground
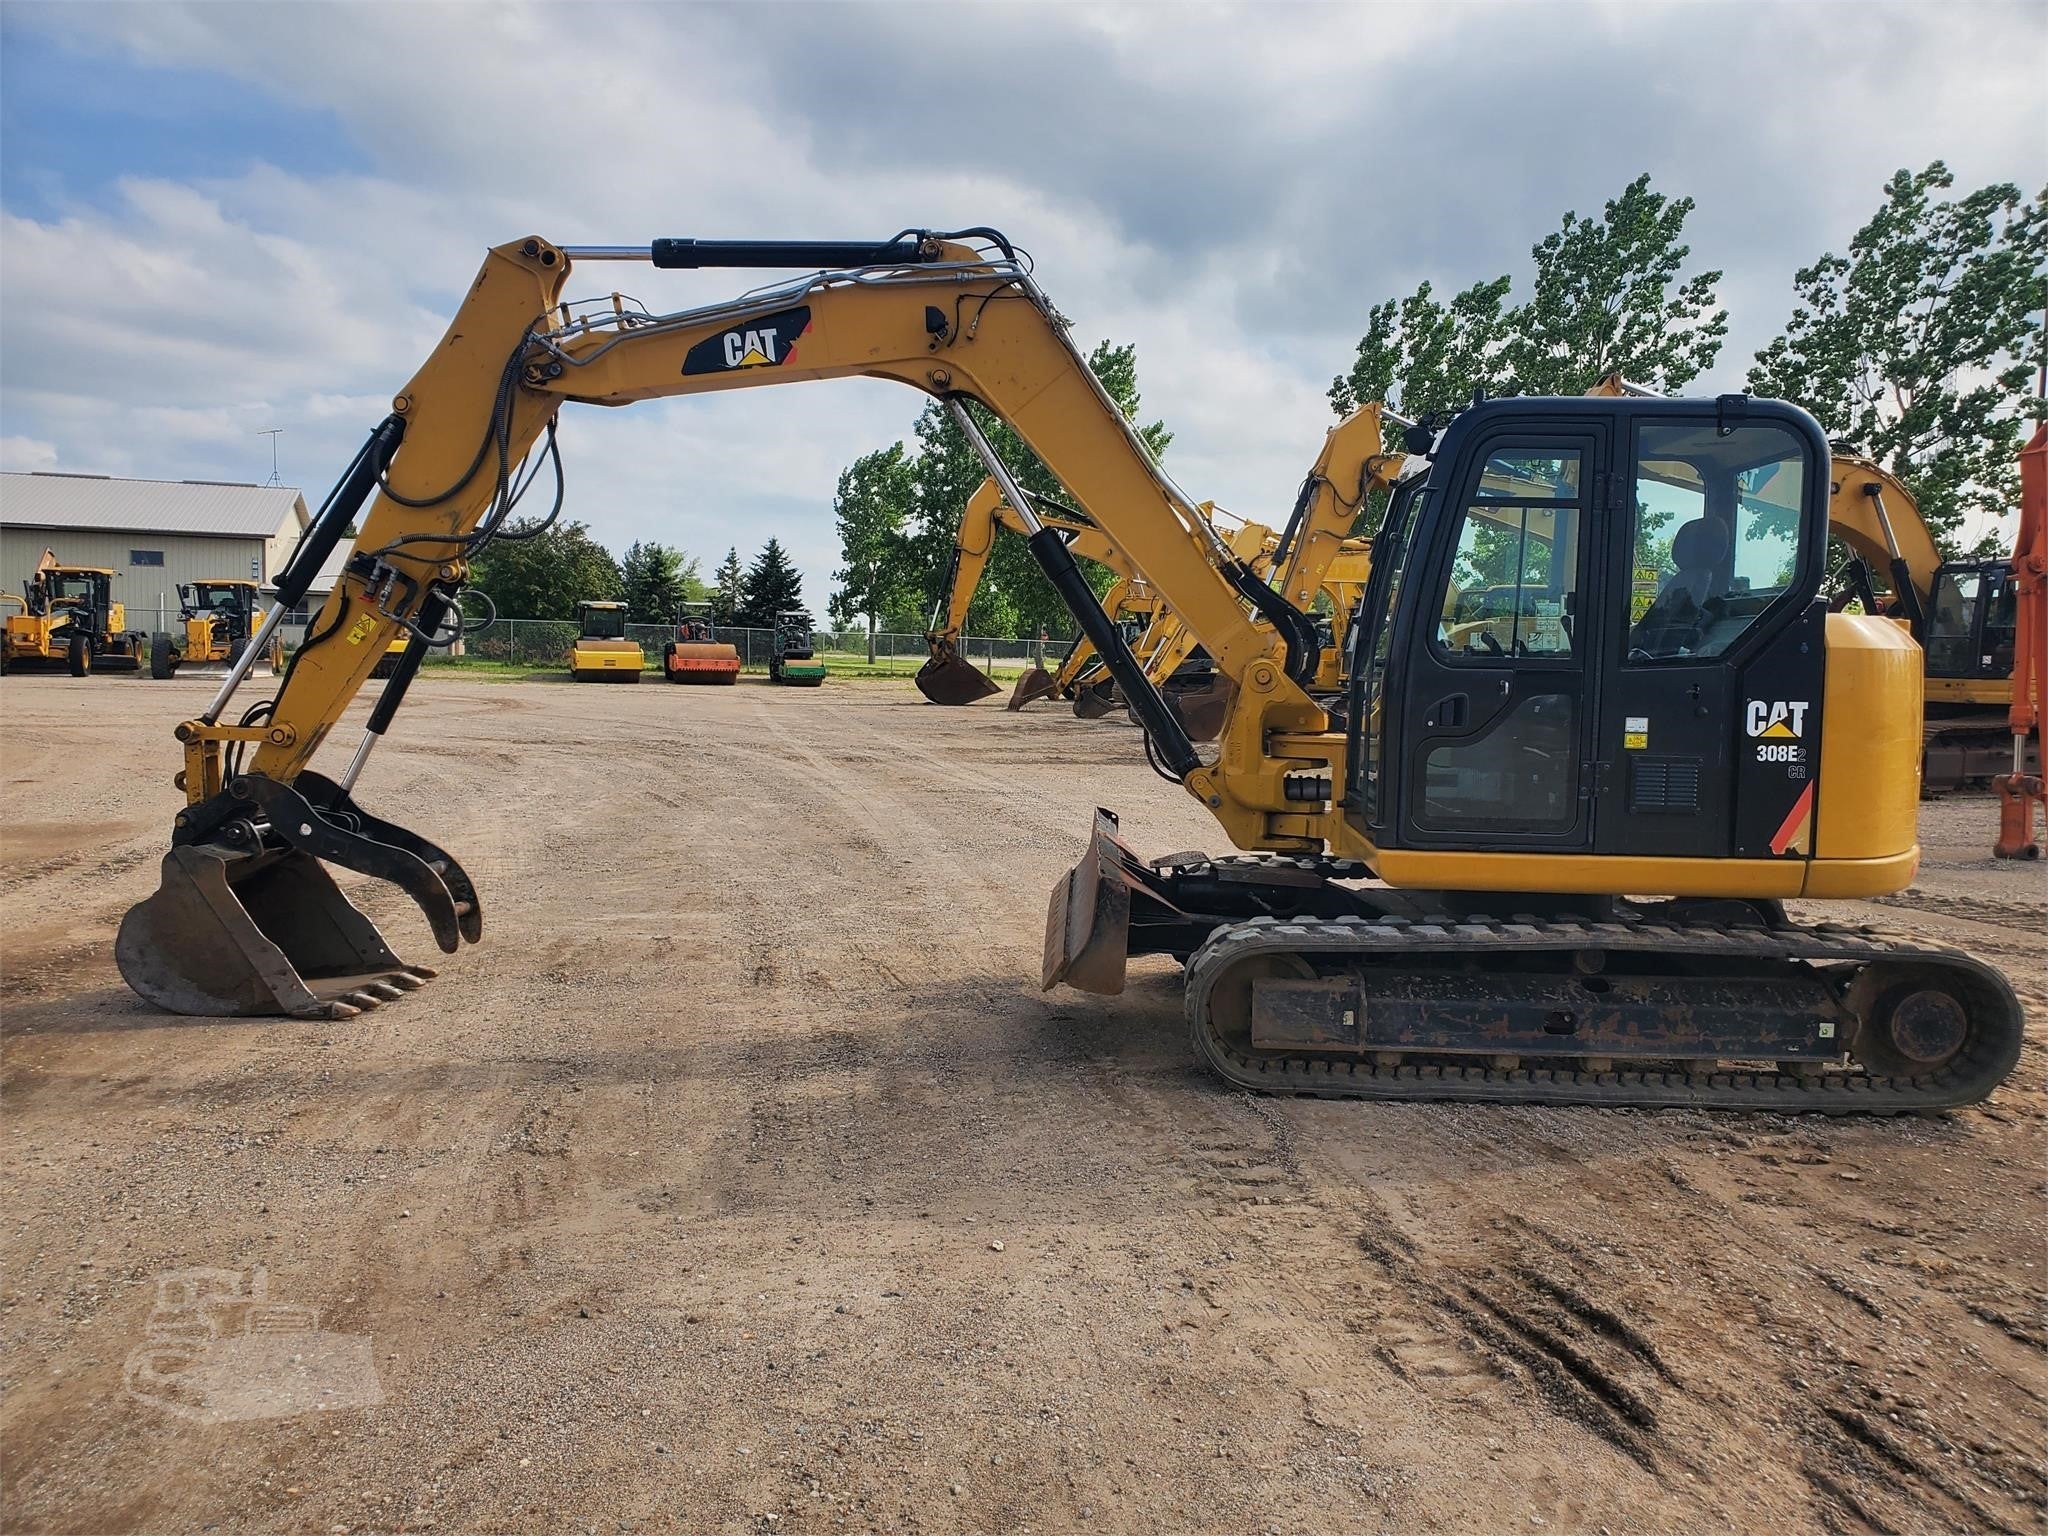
[743,1181]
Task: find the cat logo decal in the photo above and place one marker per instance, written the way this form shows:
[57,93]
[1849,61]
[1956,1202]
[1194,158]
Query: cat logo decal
[766,341]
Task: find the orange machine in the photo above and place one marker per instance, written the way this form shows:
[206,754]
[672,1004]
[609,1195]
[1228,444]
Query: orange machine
[2020,793]
[695,657]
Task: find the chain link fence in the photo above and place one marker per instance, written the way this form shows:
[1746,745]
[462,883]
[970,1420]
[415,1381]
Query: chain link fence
[544,643]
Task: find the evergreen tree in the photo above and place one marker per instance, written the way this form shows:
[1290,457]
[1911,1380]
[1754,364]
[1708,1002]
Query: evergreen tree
[772,585]
[658,580]
[728,586]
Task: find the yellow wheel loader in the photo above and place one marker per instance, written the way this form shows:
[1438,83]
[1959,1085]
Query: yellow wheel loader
[218,619]
[1551,870]
[69,619]
[602,653]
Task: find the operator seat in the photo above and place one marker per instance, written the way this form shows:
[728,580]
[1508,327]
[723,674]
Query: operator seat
[1672,622]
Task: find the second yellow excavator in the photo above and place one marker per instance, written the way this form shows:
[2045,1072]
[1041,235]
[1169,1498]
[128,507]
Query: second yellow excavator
[947,677]
[1541,858]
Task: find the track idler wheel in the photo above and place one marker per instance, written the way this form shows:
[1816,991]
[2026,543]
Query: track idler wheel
[1910,1025]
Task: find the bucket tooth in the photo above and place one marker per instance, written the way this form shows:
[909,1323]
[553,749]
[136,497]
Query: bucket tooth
[1034,685]
[946,679]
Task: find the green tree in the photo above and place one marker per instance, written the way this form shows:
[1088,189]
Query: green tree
[772,585]
[872,508]
[545,576]
[1920,345]
[728,589]
[658,580]
[1014,596]
[1606,296]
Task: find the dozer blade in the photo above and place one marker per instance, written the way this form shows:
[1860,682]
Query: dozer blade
[949,680]
[1034,685]
[1088,923]
[227,935]
[1094,700]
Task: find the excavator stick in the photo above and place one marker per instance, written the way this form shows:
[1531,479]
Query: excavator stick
[947,678]
[1034,685]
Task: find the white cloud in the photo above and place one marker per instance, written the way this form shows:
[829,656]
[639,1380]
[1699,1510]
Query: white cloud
[1229,188]
[25,455]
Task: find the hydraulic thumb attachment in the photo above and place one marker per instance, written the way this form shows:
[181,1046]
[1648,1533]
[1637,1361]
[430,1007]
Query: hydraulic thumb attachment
[247,921]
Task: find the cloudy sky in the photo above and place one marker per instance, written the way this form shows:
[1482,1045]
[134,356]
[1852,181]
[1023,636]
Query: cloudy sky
[220,218]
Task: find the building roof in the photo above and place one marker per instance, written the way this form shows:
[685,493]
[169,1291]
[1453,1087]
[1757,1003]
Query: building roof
[202,508]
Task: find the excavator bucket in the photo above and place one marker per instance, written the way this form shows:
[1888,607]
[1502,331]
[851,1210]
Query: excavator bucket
[1034,685]
[1202,708]
[947,679]
[1094,700]
[232,937]
[236,929]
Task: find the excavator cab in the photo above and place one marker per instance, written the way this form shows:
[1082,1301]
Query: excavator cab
[1596,630]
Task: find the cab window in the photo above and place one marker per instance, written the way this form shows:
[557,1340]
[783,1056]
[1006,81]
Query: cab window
[1719,534]
[1391,546]
[1511,590]
[1952,623]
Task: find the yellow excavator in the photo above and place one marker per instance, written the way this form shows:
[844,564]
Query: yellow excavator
[1543,866]
[947,676]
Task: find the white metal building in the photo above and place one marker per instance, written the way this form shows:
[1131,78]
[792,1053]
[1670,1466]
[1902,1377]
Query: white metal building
[152,534]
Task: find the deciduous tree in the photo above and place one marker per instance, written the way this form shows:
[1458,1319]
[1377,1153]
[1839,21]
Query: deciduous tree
[872,509]
[545,576]
[1920,345]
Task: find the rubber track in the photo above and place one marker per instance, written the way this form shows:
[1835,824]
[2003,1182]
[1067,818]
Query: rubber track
[1985,1060]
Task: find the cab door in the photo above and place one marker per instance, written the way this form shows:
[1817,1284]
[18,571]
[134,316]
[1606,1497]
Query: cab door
[1499,699]
[1712,651]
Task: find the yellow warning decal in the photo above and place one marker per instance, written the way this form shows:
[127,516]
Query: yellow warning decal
[359,631]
